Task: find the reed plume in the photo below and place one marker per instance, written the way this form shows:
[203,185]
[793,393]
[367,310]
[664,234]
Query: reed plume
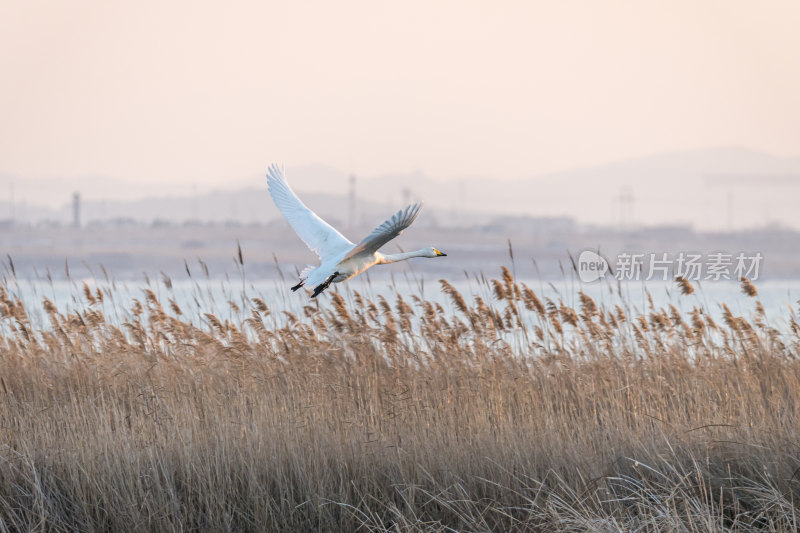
[748,288]
[532,302]
[685,286]
[454,295]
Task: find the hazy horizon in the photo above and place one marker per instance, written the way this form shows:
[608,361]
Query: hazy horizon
[726,189]
[539,108]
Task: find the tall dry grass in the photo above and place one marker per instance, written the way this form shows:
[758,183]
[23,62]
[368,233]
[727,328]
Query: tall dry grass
[497,414]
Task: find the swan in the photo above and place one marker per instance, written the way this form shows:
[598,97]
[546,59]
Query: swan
[339,258]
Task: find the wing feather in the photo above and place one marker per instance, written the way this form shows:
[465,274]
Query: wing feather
[387,231]
[318,235]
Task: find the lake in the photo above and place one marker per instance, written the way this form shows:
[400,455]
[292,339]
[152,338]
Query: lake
[196,297]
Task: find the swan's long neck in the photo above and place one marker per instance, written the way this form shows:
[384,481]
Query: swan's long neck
[394,258]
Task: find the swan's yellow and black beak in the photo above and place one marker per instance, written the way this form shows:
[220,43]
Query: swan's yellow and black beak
[439,254]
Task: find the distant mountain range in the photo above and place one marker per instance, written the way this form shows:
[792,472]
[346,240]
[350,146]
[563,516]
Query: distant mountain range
[718,189]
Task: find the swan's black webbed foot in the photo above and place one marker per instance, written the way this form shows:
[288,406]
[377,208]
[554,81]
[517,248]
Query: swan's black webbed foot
[298,285]
[321,287]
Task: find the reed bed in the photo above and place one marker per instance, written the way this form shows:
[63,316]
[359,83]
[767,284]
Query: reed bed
[507,412]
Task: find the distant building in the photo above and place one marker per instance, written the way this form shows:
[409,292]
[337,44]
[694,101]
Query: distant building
[532,224]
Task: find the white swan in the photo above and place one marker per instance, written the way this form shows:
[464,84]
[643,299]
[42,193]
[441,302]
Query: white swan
[340,258]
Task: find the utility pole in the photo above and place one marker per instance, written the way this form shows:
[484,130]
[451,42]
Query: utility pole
[730,210]
[352,200]
[625,207]
[406,195]
[11,201]
[76,210]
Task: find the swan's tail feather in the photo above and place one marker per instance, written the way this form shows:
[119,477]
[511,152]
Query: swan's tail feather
[306,271]
[303,276]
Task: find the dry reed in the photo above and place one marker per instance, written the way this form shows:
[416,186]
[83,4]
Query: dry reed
[496,417]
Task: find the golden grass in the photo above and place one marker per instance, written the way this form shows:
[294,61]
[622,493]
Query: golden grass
[515,414]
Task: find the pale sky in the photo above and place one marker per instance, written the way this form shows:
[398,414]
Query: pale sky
[200,92]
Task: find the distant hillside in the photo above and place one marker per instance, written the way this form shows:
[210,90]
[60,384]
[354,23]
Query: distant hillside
[718,189]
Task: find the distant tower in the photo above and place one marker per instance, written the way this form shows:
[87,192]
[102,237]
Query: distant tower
[730,210]
[625,207]
[76,210]
[11,202]
[352,201]
[462,201]
[406,195]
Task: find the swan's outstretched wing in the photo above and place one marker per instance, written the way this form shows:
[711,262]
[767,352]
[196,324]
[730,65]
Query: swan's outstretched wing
[318,235]
[386,231]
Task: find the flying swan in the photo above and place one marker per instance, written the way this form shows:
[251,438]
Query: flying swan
[340,258]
